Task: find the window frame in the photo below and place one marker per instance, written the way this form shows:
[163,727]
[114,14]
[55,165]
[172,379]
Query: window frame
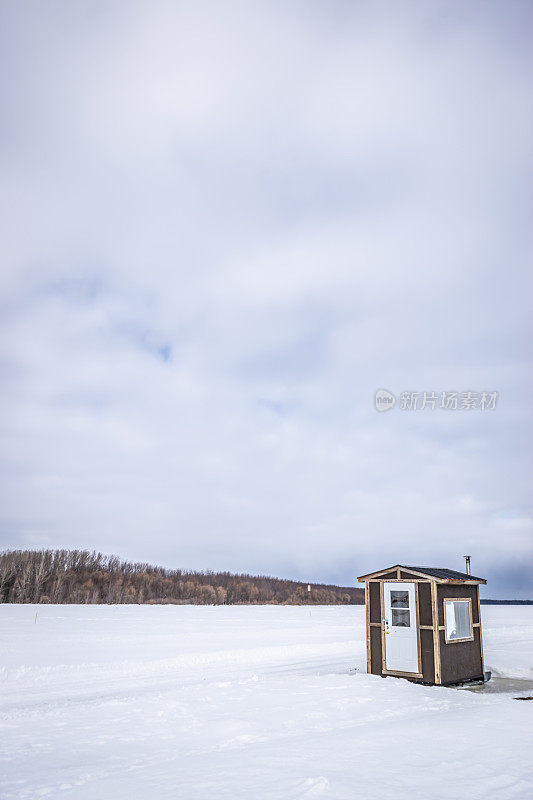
[462,638]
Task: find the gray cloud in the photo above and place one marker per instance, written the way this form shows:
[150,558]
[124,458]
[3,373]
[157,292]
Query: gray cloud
[225,227]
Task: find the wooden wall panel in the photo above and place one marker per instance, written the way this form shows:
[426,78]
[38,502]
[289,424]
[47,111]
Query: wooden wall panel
[408,576]
[459,592]
[424,604]
[375,650]
[375,602]
[461,661]
[428,661]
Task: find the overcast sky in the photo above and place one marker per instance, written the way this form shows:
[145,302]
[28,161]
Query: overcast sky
[225,226]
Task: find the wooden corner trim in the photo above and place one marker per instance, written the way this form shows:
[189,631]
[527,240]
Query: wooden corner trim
[418,643]
[368,643]
[480,633]
[436,634]
[382,608]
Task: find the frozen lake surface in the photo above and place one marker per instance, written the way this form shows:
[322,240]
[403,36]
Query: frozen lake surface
[255,702]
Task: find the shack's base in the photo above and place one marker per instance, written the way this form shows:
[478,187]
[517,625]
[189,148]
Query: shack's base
[478,680]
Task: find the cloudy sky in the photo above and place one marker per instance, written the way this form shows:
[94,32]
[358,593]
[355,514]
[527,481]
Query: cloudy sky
[225,226]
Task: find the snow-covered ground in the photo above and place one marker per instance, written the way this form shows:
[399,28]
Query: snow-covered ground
[255,702]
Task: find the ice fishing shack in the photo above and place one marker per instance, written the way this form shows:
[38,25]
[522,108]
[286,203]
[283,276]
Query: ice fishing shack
[424,624]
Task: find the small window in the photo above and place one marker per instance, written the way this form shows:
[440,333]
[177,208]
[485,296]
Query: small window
[458,620]
[401,618]
[400,614]
[399,599]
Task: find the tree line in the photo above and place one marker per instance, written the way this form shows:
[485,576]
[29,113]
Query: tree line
[81,576]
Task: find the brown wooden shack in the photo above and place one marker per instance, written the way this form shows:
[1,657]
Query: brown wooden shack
[424,624]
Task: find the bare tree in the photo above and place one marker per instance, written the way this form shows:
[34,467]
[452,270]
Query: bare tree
[82,576]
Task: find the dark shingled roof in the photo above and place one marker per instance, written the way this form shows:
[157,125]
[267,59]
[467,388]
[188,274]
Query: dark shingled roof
[438,572]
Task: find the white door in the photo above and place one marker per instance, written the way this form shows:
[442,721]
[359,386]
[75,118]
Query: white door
[401,640]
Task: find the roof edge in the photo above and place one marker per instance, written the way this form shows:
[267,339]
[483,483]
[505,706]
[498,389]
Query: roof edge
[425,575]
